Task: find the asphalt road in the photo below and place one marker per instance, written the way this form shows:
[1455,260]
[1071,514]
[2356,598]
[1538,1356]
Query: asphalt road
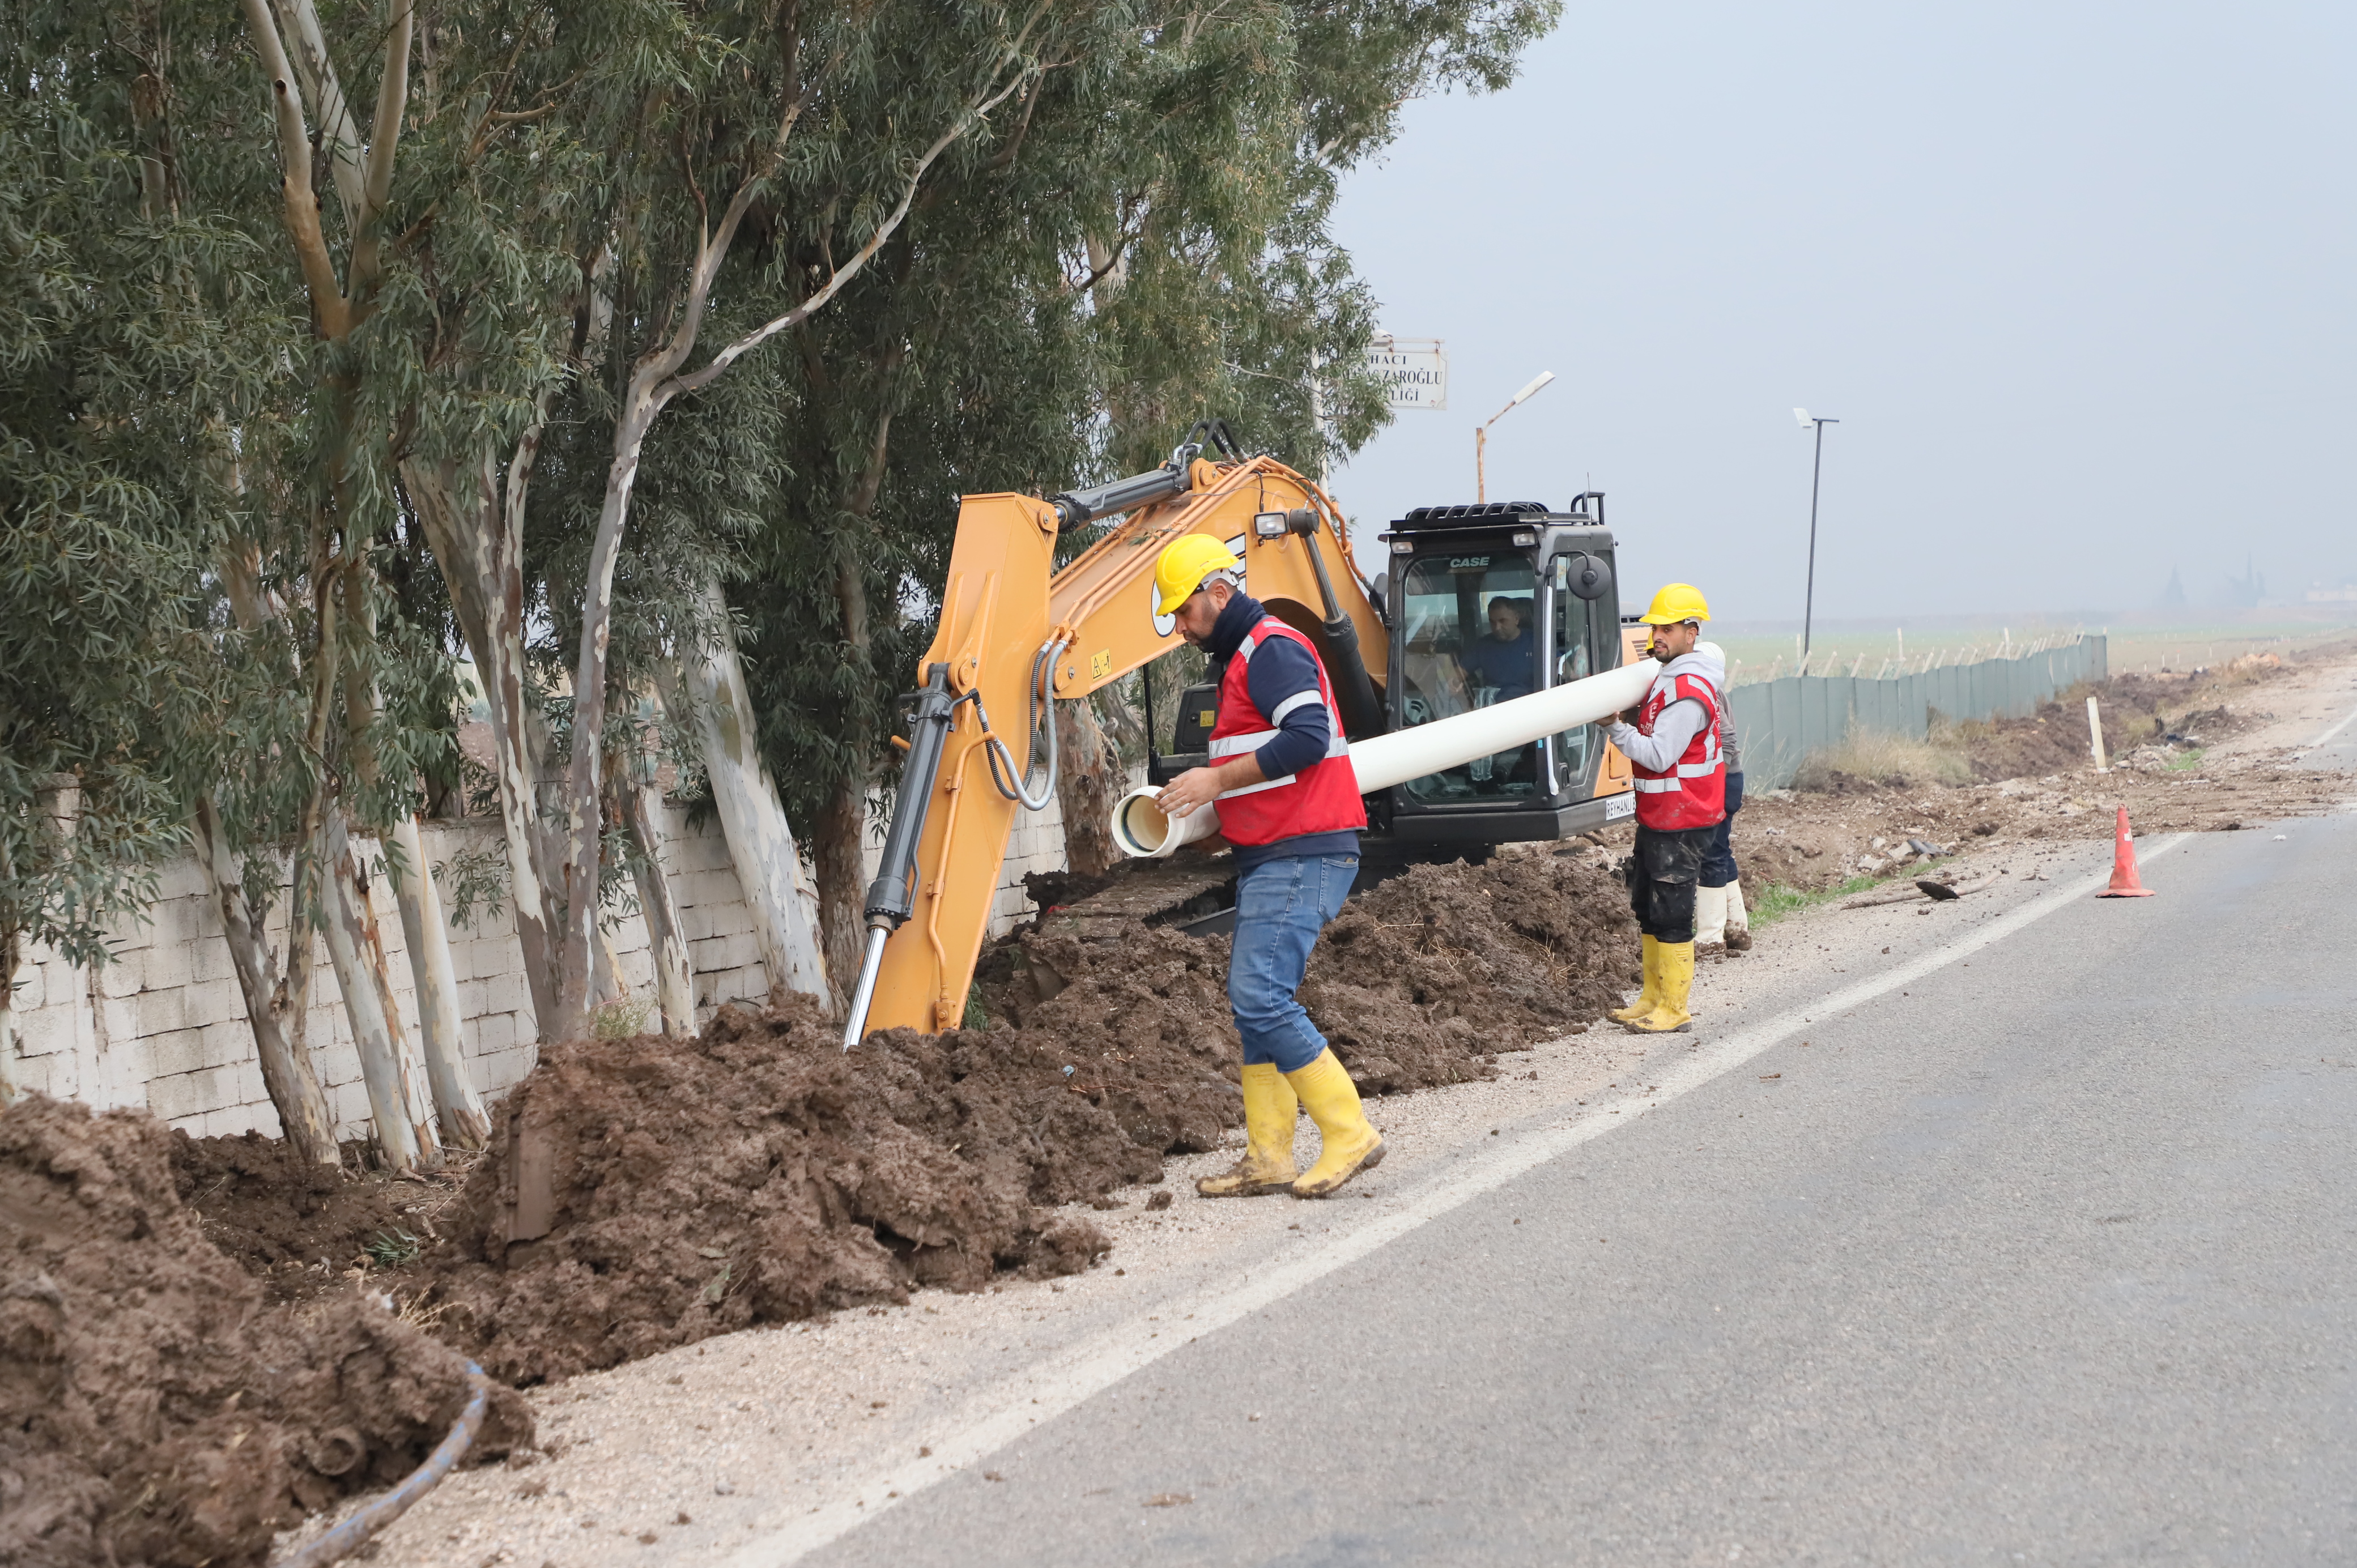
[2050,1259]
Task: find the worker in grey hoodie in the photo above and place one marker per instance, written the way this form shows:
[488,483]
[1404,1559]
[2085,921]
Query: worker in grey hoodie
[1721,923]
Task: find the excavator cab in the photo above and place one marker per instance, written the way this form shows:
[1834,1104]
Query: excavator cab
[1485,604]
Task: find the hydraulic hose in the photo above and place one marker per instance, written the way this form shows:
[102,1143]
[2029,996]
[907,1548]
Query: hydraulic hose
[1003,771]
[357,1530]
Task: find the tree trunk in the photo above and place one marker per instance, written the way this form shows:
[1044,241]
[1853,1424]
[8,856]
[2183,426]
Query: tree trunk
[398,1099]
[479,544]
[1088,780]
[666,937]
[304,1118]
[841,873]
[760,840]
[465,1123]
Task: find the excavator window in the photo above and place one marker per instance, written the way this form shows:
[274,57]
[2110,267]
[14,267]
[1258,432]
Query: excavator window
[1570,646]
[1471,639]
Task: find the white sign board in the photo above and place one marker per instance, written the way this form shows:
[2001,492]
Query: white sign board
[1414,370]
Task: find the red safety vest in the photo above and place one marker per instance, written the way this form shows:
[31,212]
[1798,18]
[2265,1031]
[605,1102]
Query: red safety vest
[1323,798]
[1692,792]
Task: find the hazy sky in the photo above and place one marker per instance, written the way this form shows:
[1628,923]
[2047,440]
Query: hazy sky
[2079,280]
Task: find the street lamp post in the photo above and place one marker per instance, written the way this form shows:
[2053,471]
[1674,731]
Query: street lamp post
[1816,474]
[1481,435]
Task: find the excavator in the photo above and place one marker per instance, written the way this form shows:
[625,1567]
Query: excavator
[1476,606]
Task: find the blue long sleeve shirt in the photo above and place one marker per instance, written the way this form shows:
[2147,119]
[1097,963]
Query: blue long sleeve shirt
[1282,681]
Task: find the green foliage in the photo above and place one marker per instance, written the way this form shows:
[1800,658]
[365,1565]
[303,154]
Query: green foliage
[130,326]
[1780,900]
[393,1248]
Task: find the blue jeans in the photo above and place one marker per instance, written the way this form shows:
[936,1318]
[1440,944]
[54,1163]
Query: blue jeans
[1718,860]
[1281,906]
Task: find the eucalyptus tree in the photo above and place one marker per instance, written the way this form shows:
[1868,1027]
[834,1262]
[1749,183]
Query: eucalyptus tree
[1145,243]
[137,331]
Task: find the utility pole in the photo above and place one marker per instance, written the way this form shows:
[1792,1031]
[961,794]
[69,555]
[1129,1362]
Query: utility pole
[1816,476]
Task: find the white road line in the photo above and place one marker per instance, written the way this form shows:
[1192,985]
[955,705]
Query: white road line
[2327,736]
[1116,1354]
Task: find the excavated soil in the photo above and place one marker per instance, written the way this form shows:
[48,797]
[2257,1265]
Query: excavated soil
[153,1409]
[760,1174]
[301,1227]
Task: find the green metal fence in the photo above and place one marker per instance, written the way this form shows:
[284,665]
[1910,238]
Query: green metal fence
[1780,722]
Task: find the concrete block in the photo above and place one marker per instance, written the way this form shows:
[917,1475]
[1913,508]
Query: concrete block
[60,981]
[334,1065]
[59,1076]
[209,1002]
[495,1032]
[119,976]
[182,878]
[185,1095]
[163,967]
[503,1071]
[117,1020]
[350,1103]
[506,993]
[175,1051]
[245,1082]
[47,1032]
[229,1043]
[262,1119]
[211,961]
[490,956]
[161,1012]
[31,988]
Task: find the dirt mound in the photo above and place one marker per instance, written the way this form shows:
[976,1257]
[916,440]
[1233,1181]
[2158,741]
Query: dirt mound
[759,1175]
[298,1226]
[1427,977]
[152,1409]
[2055,738]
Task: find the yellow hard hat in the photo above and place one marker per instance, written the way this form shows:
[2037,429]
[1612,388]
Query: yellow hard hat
[1678,601]
[1183,565]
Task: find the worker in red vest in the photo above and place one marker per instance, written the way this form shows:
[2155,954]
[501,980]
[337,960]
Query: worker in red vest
[1671,742]
[1288,803]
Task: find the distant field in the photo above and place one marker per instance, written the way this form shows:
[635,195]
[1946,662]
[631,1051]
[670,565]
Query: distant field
[2143,643]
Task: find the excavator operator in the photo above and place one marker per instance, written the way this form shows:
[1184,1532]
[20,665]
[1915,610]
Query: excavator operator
[1671,743]
[1288,803]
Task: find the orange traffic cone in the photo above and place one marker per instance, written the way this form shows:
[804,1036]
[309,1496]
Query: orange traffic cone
[2124,867]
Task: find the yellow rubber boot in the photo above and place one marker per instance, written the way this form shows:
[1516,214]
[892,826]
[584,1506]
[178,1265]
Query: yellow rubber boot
[1649,998]
[1352,1142]
[1669,1017]
[1271,1110]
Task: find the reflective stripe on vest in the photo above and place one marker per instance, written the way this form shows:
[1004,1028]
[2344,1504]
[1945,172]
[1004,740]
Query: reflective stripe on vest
[1322,797]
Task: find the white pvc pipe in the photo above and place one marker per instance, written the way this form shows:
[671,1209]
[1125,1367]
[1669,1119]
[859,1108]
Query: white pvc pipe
[1143,832]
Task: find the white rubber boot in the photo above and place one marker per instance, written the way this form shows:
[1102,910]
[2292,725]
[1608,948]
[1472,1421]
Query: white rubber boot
[1738,922]
[1710,921]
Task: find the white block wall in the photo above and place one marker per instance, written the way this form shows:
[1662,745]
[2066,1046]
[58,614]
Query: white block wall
[163,1025]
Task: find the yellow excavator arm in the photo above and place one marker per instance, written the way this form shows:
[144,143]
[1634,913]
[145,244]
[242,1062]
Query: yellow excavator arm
[1016,635]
